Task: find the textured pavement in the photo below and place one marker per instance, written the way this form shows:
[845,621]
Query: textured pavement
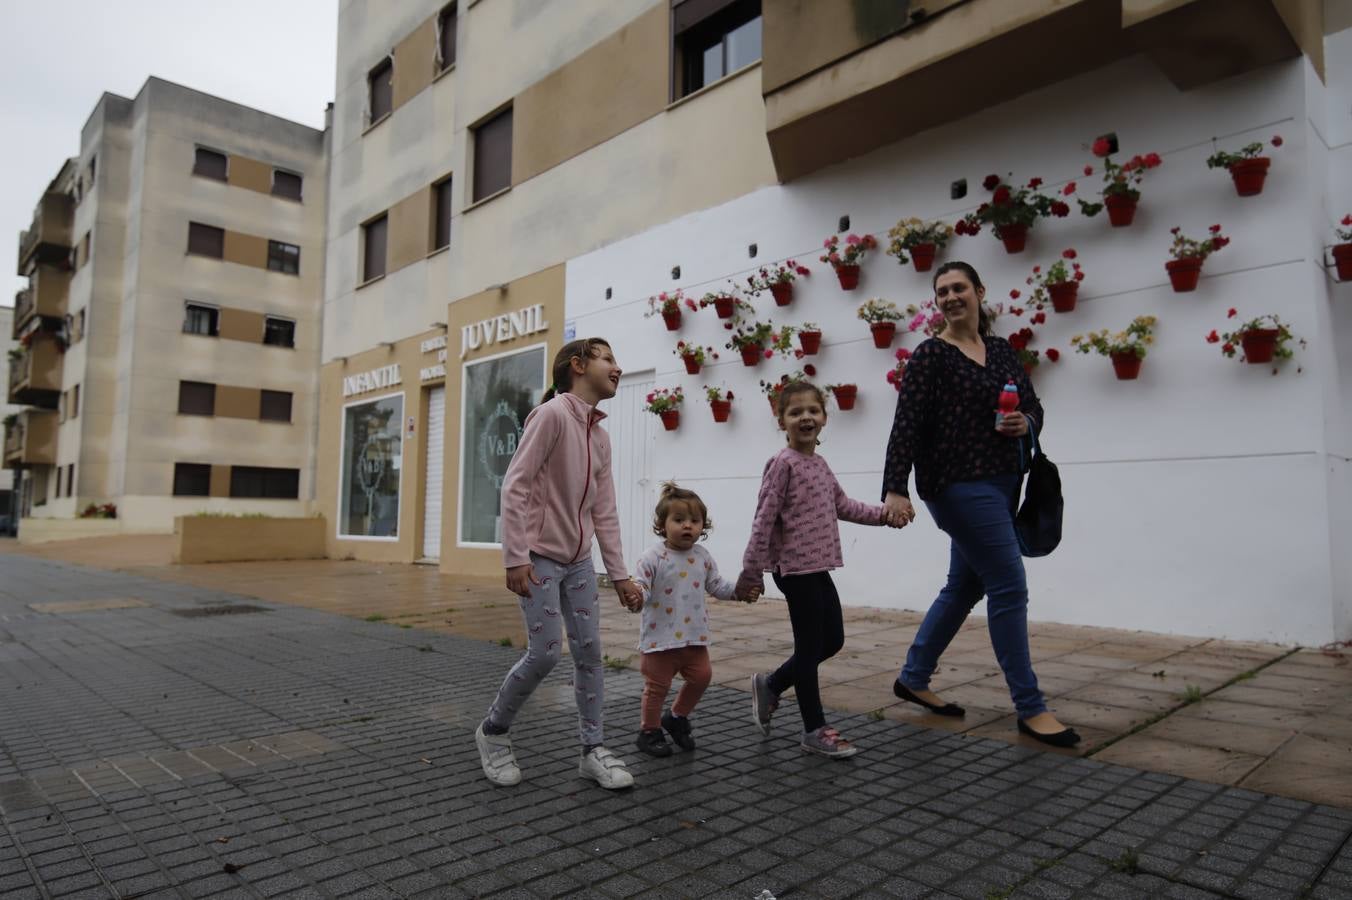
[288,752]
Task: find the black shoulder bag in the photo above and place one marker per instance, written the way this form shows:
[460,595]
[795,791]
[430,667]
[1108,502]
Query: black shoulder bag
[1038,521]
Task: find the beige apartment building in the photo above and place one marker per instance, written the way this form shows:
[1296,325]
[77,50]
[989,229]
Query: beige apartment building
[168,339]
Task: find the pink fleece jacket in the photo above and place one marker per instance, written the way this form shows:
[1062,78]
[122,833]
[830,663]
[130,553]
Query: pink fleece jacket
[558,490]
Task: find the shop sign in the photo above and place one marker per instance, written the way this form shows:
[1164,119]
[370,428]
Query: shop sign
[503,328]
[432,373]
[364,382]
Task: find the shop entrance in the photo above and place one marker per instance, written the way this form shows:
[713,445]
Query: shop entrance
[633,442]
[435,463]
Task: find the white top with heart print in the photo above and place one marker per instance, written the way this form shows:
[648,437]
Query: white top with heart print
[674,584]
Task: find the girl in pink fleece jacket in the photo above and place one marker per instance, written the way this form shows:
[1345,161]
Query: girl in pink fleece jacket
[556,495]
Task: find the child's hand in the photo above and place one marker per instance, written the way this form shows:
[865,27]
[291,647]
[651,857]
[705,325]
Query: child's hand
[631,595]
[752,595]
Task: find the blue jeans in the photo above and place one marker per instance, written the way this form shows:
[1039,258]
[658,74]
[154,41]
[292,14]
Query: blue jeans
[984,559]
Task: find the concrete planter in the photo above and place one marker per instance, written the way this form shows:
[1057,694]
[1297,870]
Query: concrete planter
[204,539]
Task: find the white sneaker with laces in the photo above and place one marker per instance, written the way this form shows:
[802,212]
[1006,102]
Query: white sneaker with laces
[497,758]
[606,769]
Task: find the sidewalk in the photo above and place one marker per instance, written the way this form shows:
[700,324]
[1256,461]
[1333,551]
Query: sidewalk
[161,739]
[1259,716]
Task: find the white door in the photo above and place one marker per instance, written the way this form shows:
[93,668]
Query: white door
[436,459]
[633,442]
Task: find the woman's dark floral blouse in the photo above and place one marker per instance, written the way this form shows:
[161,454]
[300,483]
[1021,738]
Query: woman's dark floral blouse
[945,419]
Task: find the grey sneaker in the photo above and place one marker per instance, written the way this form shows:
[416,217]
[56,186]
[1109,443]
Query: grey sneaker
[764,702]
[606,769]
[826,741]
[497,758]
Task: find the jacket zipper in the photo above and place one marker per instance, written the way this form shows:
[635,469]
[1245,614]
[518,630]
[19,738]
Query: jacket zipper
[586,487]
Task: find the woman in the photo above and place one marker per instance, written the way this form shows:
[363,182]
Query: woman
[968,470]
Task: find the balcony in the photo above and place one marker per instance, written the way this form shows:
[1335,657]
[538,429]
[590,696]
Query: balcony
[46,295]
[31,440]
[35,372]
[49,238]
[843,78]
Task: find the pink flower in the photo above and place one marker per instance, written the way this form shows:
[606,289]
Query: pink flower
[1069,254]
[1068,189]
[1276,140]
[829,242]
[903,354]
[852,239]
[1102,147]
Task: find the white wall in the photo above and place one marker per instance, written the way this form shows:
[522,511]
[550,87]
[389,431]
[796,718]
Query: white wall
[1201,499]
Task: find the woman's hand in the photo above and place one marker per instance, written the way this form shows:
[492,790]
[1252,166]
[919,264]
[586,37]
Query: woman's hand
[631,595]
[1013,424]
[520,578]
[900,512]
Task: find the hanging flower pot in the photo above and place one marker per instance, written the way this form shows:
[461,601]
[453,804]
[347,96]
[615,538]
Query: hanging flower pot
[774,404]
[1121,209]
[845,394]
[1063,295]
[1014,237]
[849,277]
[1184,273]
[673,320]
[751,356]
[724,306]
[671,418]
[692,363]
[1249,175]
[721,409]
[1259,344]
[811,341]
[782,291]
[883,333]
[922,256]
[1126,365]
[1342,259]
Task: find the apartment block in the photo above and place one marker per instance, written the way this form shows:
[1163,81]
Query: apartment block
[170,331]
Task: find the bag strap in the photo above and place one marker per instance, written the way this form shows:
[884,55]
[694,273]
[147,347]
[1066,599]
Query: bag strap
[1032,433]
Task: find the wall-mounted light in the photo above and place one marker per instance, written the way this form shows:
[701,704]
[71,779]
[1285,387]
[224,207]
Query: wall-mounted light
[441,325]
[500,288]
[387,344]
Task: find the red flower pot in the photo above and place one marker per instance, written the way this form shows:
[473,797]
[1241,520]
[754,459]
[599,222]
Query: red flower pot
[692,366]
[922,256]
[774,404]
[724,306]
[1121,209]
[673,320]
[721,409]
[1126,365]
[670,418]
[1342,259]
[1015,237]
[845,395]
[1184,273]
[1249,175]
[751,356]
[1063,295]
[883,333]
[782,291]
[1259,345]
[811,341]
[849,277]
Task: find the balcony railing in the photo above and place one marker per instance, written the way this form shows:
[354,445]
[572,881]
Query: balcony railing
[14,438]
[31,440]
[48,239]
[18,373]
[24,307]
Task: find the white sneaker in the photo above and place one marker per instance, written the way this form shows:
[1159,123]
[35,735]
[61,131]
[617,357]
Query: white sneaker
[606,769]
[497,758]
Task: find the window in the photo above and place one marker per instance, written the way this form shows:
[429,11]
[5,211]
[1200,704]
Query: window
[84,249]
[380,84]
[210,164]
[79,327]
[441,225]
[493,155]
[713,39]
[446,38]
[204,320]
[75,402]
[279,332]
[196,398]
[206,240]
[58,483]
[275,406]
[61,403]
[286,184]
[374,234]
[498,395]
[93,169]
[70,480]
[283,257]
[372,449]
[257,481]
[192,480]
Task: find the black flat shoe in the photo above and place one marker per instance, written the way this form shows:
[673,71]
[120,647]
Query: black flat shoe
[1066,737]
[653,743]
[679,729]
[948,709]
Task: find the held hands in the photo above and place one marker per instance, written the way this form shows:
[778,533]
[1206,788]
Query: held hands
[899,511]
[1013,424]
[520,578]
[631,595]
[748,589]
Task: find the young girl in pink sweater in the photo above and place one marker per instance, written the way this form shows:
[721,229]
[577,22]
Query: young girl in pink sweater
[556,495]
[796,537]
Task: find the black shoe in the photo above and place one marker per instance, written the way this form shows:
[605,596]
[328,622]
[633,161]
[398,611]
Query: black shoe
[679,729]
[905,693]
[1066,737]
[653,743]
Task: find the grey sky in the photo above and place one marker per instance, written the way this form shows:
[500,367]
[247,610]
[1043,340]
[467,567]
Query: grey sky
[58,56]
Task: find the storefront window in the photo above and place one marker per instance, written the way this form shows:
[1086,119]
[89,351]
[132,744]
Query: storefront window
[372,458]
[499,393]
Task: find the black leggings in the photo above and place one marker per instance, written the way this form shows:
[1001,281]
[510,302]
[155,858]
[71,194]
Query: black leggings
[818,635]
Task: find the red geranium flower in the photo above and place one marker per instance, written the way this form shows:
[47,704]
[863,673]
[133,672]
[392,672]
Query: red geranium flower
[1089,170]
[1213,338]
[1102,147]
[1001,197]
[1276,140]
[1232,313]
[1053,354]
[1069,254]
[1068,189]
[991,183]
[809,370]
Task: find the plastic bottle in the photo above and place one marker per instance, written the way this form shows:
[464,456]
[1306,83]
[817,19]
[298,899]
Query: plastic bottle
[1009,402]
